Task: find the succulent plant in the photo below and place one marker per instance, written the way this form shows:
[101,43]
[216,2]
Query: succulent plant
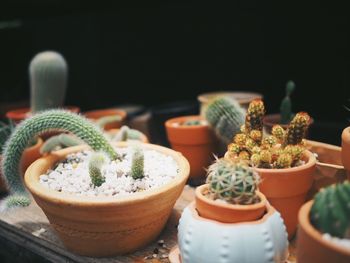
[48,81]
[137,163]
[286,104]
[233,182]
[125,133]
[103,121]
[97,160]
[15,200]
[59,141]
[47,121]
[330,212]
[191,123]
[226,116]
[297,129]
[282,149]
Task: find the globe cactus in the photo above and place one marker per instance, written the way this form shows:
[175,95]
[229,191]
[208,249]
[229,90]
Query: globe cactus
[48,81]
[226,116]
[232,182]
[330,212]
[42,122]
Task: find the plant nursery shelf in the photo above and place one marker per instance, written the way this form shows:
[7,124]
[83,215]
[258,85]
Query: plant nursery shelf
[27,233]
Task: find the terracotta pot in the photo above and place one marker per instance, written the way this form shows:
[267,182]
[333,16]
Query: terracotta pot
[196,143]
[329,169]
[31,154]
[311,247]
[345,149]
[20,114]
[243,98]
[113,132]
[228,213]
[273,119]
[106,226]
[97,114]
[286,189]
[207,241]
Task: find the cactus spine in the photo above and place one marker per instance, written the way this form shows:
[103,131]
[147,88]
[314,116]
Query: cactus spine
[226,116]
[233,182]
[96,162]
[286,104]
[46,121]
[330,212]
[137,164]
[48,81]
[62,140]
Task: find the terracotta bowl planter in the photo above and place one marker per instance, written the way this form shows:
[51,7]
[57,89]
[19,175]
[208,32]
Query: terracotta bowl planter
[345,149]
[113,132]
[286,189]
[204,240]
[273,119]
[196,143]
[106,226]
[94,115]
[311,247]
[243,98]
[20,114]
[228,213]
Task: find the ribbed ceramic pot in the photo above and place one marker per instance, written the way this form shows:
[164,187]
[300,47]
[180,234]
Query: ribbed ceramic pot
[207,241]
[106,226]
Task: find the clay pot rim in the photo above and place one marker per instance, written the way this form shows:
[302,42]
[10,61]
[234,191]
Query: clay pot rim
[248,96]
[105,112]
[32,174]
[199,194]
[269,210]
[304,222]
[169,123]
[22,113]
[311,161]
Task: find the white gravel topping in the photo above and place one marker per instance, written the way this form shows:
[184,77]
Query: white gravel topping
[345,243]
[72,174]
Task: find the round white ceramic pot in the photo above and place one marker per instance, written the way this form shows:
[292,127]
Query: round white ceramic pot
[207,241]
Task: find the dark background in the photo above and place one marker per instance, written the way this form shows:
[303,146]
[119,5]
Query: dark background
[167,52]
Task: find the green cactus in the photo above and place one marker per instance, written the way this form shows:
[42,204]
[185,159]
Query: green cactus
[48,81]
[16,200]
[330,212]
[42,122]
[226,116]
[297,129]
[97,160]
[233,182]
[254,117]
[191,123]
[125,133]
[103,121]
[286,104]
[137,164]
[60,141]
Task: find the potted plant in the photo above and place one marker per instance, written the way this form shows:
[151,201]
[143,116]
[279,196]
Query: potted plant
[105,202]
[229,216]
[324,227]
[48,83]
[192,136]
[285,166]
[286,114]
[345,149]
[107,118]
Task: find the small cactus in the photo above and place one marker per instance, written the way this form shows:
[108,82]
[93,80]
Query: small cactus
[16,200]
[97,160]
[137,164]
[48,81]
[233,182]
[255,114]
[278,132]
[191,123]
[286,104]
[284,161]
[297,129]
[330,212]
[47,121]
[60,141]
[226,116]
[125,133]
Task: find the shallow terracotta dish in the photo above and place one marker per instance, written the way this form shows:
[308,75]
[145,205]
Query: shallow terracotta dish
[311,247]
[106,226]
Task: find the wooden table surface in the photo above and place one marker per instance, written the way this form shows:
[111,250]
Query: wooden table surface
[28,229]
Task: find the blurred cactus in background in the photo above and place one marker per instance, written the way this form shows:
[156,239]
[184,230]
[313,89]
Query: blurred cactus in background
[286,104]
